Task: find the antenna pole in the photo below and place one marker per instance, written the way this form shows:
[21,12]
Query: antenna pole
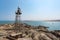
[18,2]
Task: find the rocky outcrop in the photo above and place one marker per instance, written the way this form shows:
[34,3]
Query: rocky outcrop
[28,32]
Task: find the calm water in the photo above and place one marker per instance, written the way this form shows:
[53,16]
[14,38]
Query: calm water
[51,25]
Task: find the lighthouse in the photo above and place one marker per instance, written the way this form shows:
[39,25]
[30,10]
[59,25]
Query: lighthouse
[18,17]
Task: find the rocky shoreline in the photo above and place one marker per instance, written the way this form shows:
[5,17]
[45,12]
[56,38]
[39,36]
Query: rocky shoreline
[27,32]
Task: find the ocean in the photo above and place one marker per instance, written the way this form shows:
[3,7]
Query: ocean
[52,25]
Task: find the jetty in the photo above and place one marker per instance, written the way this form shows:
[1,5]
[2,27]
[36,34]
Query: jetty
[27,32]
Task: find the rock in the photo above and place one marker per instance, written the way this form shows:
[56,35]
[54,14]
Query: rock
[28,32]
[24,39]
[51,36]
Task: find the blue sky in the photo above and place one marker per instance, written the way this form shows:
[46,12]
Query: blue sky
[31,9]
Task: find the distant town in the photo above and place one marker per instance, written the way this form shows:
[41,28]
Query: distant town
[53,20]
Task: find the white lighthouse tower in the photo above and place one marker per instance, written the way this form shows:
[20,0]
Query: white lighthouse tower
[18,16]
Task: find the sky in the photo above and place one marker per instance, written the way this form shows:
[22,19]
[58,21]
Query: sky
[31,9]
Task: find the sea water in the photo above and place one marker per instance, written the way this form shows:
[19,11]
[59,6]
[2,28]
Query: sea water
[50,24]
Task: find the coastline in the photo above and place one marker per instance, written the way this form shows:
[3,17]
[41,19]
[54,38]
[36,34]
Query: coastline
[51,25]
